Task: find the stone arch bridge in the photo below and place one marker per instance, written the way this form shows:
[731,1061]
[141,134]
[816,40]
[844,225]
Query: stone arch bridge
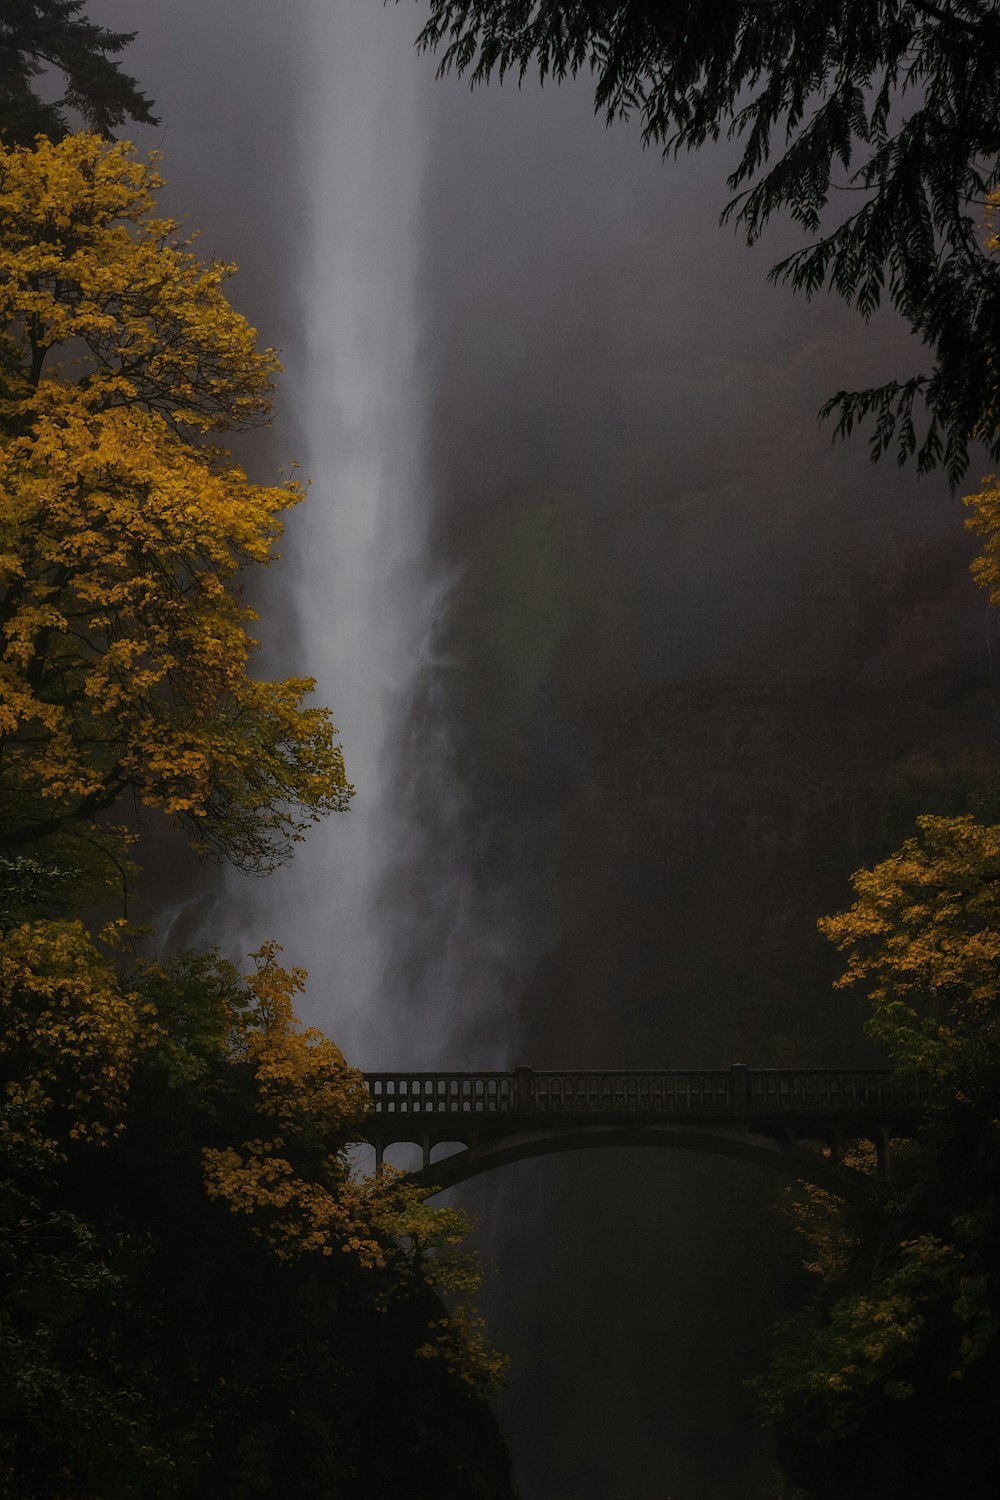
[778,1117]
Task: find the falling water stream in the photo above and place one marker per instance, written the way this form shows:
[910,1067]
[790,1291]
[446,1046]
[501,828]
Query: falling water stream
[364,594]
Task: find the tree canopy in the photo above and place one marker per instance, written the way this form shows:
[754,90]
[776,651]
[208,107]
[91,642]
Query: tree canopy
[41,35]
[199,1299]
[924,934]
[123,531]
[874,123]
[883,1381]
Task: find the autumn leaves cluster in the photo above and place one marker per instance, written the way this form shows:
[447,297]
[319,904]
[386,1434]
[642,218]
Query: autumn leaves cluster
[126,640]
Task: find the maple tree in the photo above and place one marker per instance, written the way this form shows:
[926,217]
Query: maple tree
[70,1034]
[924,934]
[124,527]
[882,1379]
[924,931]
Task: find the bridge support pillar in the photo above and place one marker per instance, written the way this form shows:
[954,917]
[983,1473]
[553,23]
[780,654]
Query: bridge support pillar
[883,1155]
[379,1153]
[426,1149]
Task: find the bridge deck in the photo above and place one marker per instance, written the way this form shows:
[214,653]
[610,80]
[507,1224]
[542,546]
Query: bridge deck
[758,1113]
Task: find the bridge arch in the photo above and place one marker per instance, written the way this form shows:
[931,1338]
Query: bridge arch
[791,1160]
[756,1115]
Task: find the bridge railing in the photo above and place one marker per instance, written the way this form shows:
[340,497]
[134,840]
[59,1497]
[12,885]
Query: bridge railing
[738,1091]
[442,1093]
[642,1093]
[807,1090]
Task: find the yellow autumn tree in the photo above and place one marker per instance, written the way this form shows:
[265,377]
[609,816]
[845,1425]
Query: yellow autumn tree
[70,1035]
[902,1318]
[924,932]
[984,522]
[291,1179]
[924,936]
[124,640]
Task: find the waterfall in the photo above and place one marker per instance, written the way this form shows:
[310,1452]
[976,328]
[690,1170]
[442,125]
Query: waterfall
[367,889]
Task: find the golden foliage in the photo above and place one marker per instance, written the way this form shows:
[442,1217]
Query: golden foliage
[292,1178]
[984,522]
[458,1340]
[311,1099]
[292,1212]
[76,1043]
[303,1083]
[87,268]
[125,642]
[293,1183]
[924,934]
[821,1221]
[70,1034]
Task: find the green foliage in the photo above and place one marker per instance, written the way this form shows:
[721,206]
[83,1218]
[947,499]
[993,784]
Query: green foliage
[883,1381]
[38,35]
[73,868]
[871,1340]
[894,105]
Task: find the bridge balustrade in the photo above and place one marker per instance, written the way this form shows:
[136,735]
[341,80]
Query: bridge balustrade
[441,1093]
[638,1093]
[813,1090]
[724,1091]
[737,1091]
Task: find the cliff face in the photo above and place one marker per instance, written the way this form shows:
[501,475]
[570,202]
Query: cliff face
[681,840]
[692,683]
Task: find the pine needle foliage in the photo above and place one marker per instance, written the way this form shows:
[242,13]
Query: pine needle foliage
[51,36]
[888,107]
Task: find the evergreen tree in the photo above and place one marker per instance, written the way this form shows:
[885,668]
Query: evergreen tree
[886,110]
[38,35]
